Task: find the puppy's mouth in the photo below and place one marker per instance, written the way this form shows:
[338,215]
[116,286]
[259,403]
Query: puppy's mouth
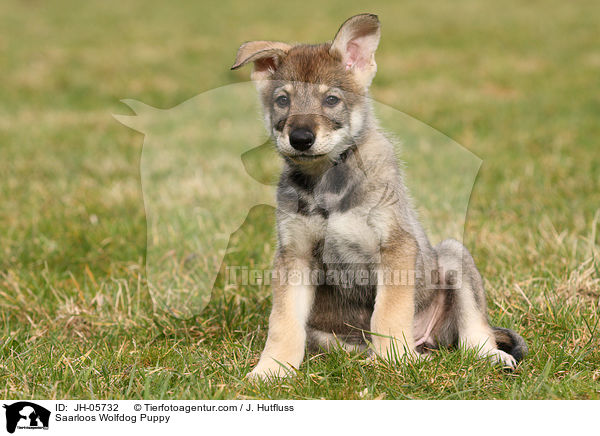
[306,157]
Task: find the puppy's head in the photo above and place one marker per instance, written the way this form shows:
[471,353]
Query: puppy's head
[313,96]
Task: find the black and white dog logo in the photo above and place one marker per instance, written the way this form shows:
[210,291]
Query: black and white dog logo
[26,415]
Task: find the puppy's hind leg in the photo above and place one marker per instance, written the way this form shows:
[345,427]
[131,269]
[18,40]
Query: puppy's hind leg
[474,331]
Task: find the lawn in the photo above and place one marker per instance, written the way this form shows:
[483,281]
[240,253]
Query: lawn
[515,83]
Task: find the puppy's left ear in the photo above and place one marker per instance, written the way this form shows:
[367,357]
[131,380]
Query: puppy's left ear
[266,55]
[356,42]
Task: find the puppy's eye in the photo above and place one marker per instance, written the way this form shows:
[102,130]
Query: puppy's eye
[331,100]
[282,101]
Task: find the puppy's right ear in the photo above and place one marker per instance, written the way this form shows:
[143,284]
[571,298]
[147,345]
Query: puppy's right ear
[355,43]
[266,55]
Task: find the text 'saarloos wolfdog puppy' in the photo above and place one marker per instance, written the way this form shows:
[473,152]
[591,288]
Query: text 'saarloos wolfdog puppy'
[343,211]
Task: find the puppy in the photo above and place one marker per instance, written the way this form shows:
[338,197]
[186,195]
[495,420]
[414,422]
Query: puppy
[353,265]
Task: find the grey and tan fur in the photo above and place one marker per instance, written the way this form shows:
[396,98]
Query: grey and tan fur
[344,211]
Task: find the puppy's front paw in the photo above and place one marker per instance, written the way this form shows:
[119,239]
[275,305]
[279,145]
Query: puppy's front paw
[391,349]
[397,355]
[270,370]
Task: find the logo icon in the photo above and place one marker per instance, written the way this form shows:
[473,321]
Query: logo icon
[26,415]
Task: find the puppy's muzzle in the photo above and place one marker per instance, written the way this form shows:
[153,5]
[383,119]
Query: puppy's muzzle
[302,139]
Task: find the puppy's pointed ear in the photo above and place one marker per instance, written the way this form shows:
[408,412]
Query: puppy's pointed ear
[266,56]
[355,43]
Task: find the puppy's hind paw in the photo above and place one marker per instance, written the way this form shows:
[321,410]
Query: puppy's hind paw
[503,358]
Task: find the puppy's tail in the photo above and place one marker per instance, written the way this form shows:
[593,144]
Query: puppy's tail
[510,342]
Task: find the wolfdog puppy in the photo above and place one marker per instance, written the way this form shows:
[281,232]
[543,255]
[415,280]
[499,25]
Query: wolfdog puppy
[353,265]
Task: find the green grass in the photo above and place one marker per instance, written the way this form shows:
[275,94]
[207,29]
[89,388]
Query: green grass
[517,84]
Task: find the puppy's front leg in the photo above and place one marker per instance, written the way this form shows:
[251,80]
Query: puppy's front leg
[293,296]
[392,319]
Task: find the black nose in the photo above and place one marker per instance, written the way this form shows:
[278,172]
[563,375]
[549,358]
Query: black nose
[301,139]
